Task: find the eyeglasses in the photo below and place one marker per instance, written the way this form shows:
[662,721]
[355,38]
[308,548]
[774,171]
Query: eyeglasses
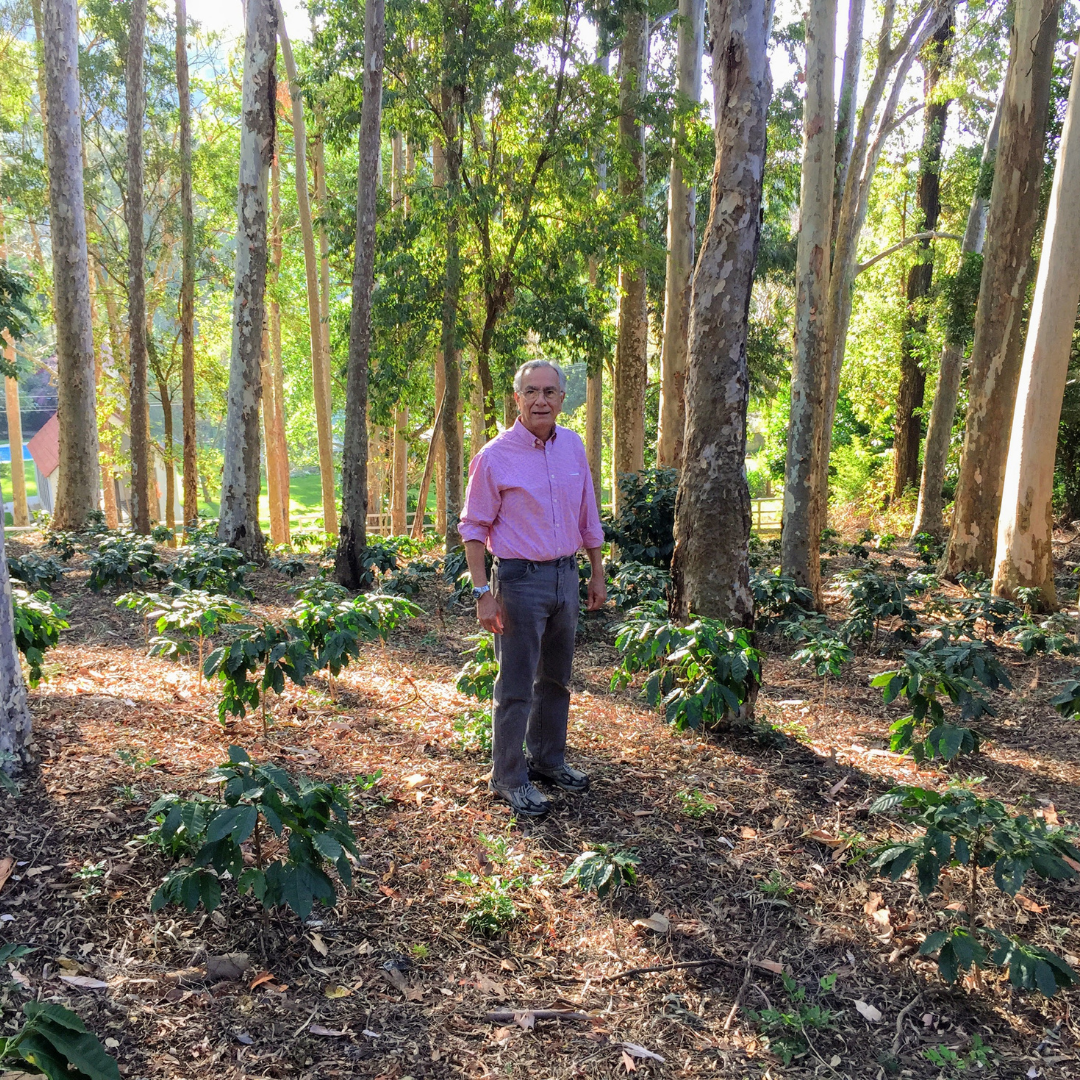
[551,393]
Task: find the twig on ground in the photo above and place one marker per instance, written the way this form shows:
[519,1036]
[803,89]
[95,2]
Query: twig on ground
[900,1022]
[738,998]
[306,1022]
[668,967]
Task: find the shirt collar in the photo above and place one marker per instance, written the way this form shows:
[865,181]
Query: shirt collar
[525,436]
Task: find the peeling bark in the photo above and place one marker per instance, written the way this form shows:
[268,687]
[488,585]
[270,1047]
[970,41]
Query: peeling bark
[77,493]
[997,351]
[632,344]
[239,521]
[928,514]
[349,567]
[710,567]
[278,370]
[682,200]
[15,719]
[399,505]
[1025,554]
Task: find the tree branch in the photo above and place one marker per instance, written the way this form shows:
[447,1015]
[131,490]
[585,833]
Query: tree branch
[932,235]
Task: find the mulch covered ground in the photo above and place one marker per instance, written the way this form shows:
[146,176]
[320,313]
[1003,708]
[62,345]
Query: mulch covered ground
[751,855]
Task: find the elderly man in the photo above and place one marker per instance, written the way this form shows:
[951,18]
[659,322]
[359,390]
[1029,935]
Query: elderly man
[530,501]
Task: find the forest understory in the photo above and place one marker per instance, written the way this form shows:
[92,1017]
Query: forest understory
[753,857]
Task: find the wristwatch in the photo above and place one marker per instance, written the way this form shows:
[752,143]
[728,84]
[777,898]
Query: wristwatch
[479,591]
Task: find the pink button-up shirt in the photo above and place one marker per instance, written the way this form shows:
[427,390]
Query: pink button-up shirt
[529,499]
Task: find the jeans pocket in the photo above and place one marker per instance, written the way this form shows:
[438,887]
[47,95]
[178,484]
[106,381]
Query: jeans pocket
[507,575]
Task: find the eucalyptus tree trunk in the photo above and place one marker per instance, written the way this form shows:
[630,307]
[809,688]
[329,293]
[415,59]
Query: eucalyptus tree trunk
[1025,555]
[319,155]
[907,428]
[399,502]
[846,106]
[20,514]
[320,365]
[798,547]
[438,181]
[239,521]
[349,566]
[997,352]
[277,373]
[138,389]
[453,121]
[187,275]
[15,719]
[928,514]
[632,344]
[682,200]
[594,385]
[77,493]
[710,567]
[274,495]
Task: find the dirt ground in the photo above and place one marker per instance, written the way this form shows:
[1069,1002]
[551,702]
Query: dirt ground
[751,852]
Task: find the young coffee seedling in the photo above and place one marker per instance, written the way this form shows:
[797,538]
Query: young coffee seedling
[634,583]
[53,1041]
[701,674]
[872,599]
[212,567]
[1067,701]
[284,562]
[828,654]
[604,870]
[38,622]
[477,676]
[778,598]
[181,614]
[293,830]
[939,670]
[958,828]
[785,1026]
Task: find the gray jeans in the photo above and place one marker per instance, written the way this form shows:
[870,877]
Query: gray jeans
[535,651]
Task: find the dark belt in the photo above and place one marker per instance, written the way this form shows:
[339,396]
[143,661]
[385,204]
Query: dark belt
[566,560]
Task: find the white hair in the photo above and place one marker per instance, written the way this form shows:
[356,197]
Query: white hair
[531,365]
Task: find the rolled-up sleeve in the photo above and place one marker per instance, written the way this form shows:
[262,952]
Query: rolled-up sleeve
[482,501]
[592,532]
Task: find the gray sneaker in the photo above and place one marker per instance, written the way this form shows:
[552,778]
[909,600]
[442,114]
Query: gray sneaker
[525,801]
[565,777]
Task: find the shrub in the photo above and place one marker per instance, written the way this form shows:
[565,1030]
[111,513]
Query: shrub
[162,534]
[785,1026]
[36,571]
[477,676]
[644,531]
[38,622]
[278,652]
[827,653]
[996,613]
[777,597]
[287,564]
[65,543]
[873,597]
[124,560]
[213,567]
[409,579]
[1052,634]
[958,828]
[55,1042]
[257,801]
[604,870]
[634,583]
[941,669]
[928,547]
[1067,701]
[701,674]
[179,615]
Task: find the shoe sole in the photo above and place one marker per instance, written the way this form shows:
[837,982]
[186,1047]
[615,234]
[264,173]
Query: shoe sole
[534,775]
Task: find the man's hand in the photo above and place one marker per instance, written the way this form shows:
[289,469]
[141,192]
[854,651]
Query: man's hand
[597,593]
[490,614]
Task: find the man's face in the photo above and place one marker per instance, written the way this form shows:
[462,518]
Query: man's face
[540,399]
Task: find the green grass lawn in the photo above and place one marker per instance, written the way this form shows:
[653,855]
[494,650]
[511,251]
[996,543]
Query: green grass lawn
[5,485]
[305,504]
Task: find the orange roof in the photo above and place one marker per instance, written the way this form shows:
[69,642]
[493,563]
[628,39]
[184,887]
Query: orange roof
[44,447]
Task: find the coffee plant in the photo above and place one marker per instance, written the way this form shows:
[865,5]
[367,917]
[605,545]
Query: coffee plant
[36,571]
[701,674]
[294,830]
[827,653]
[54,1042]
[477,676]
[604,870]
[928,547]
[38,622]
[778,598]
[212,567]
[644,531]
[957,828]
[633,583]
[1067,701]
[66,544]
[124,559]
[1049,635]
[287,564]
[872,598]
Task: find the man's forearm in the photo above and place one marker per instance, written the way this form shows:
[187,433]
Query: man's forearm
[596,561]
[475,556]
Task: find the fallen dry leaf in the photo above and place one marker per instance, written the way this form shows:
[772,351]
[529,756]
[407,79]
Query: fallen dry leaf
[84,982]
[333,991]
[656,922]
[525,1020]
[395,978]
[628,1062]
[640,1052]
[1029,905]
[318,1029]
[319,945]
[6,866]
[867,1011]
[825,838]
[769,965]
[747,833]
[227,968]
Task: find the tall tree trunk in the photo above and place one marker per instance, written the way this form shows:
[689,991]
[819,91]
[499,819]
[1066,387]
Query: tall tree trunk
[682,201]
[187,275]
[710,567]
[274,494]
[907,429]
[170,453]
[996,353]
[239,522]
[846,107]
[798,548]
[320,364]
[349,568]
[438,181]
[478,425]
[399,507]
[594,386]
[277,371]
[15,719]
[77,493]
[632,344]
[928,514]
[135,87]
[110,349]
[319,156]
[1025,555]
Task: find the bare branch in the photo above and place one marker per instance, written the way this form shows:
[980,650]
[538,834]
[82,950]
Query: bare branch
[931,235]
